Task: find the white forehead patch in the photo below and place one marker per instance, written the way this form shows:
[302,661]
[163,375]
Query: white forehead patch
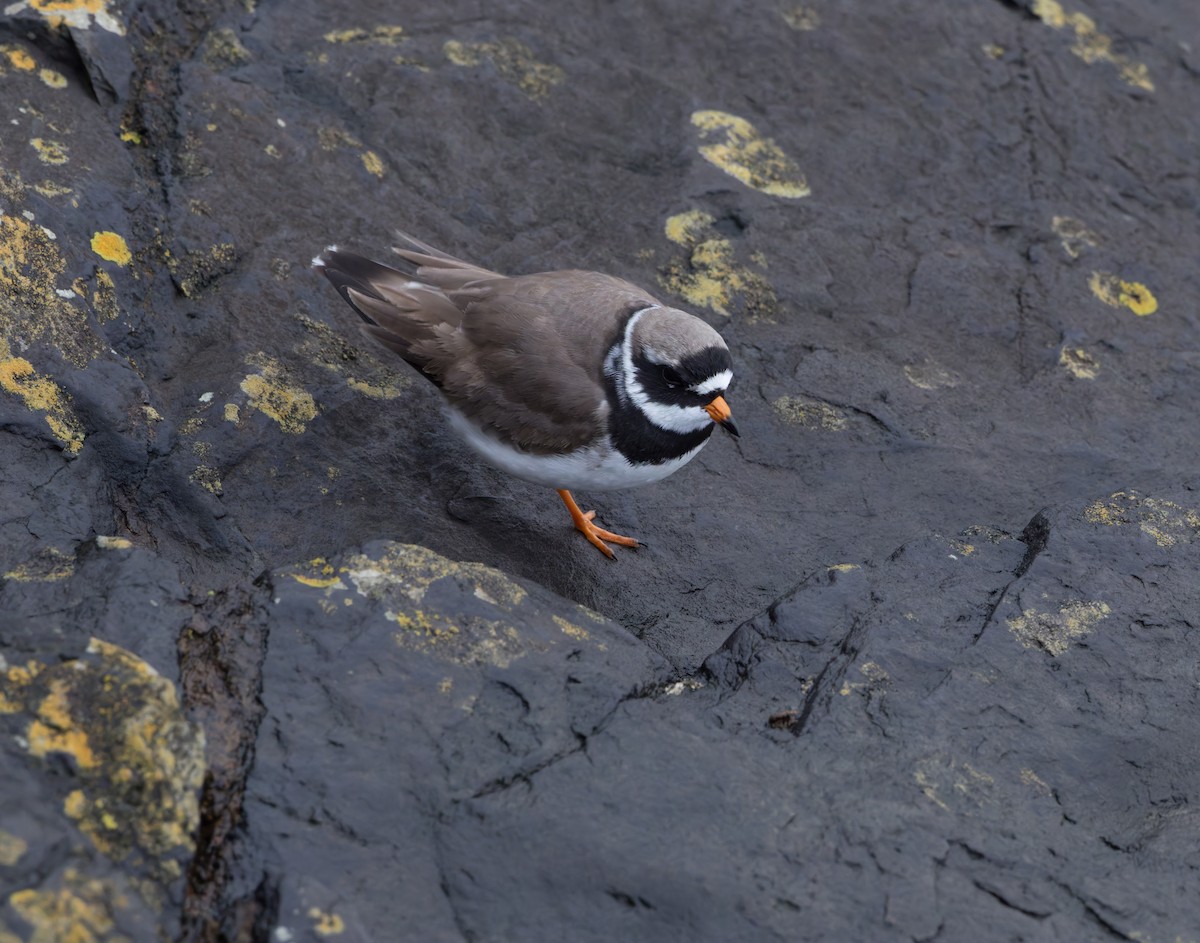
[713,384]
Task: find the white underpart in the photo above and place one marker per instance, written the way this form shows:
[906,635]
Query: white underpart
[682,419]
[717,383]
[595,468]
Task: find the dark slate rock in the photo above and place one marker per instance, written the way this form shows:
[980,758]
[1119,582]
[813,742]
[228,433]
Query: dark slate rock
[405,694]
[988,734]
[984,306]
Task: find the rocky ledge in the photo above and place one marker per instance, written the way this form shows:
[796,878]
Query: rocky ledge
[280,661]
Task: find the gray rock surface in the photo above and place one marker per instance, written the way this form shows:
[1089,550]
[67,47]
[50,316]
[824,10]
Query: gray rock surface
[909,660]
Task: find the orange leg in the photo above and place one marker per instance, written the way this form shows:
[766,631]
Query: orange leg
[597,536]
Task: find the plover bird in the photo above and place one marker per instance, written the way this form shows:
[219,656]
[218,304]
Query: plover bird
[571,379]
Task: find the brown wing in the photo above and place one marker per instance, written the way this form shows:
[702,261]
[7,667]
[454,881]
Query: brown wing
[521,356]
[528,360]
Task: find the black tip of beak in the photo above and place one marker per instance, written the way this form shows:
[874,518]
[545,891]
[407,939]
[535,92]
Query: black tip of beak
[729,427]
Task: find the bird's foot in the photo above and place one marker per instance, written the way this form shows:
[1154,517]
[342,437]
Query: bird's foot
[597,536]
[601,538]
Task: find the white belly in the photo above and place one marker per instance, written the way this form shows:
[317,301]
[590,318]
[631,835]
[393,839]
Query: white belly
[598,468]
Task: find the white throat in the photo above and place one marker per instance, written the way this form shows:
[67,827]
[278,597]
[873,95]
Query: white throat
[668,416]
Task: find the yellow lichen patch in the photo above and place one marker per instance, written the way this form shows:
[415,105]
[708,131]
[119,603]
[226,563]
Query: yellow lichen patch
[376,391]
[17,57]
[732,144]
[709,275]
[231,413]
[409,61]
[13,683]
[319,582]
[1090,44]
[130,135]
[333,351]
[930,376]
[201,267]
[332,138]
[1074,235]
[113,543]
[411,569]
[12,847]
[1115,292]
[223,49]
[104,298]
[1078,363]
[404,576]
[993,50]
[326,924]
[78,14]
[81,910]
[373,164]
[382,35]
[842,567]
[48,188]
[571,629]
[800,18]
[687,228]
[875,677]
[1166,522]
[319,575]
[1030,778]
[49,565]
[139,762]
[1053,632]
[32,305]
[460,639]
[50,152]
[52,78]
[55,732]
[513,60]
[145,792]
[273,394]
[809,412]
[41,394]
[208,478]
[111,247]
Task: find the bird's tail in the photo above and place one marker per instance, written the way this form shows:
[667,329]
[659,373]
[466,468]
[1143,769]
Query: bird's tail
[402,312]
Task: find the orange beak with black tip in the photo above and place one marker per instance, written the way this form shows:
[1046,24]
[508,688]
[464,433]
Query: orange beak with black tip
[721,414]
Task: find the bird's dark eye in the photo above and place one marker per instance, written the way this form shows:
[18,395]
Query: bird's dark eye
[672,377]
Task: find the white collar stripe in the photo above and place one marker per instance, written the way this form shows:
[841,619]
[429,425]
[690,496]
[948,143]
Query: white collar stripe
[714,384]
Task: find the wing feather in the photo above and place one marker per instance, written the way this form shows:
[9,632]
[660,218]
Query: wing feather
[522,357]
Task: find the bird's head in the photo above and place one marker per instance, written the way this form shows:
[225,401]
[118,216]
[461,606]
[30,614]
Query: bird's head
[676,370]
